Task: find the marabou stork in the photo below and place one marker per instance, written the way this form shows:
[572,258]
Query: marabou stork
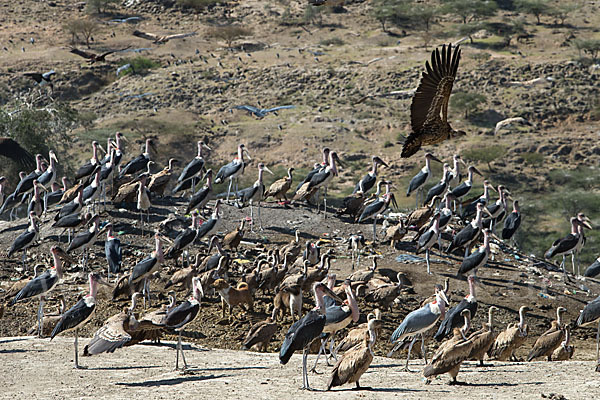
[469,234]
[72,207]
[429,238]
[337,317]
[42,284]
[484,199]
[417,183]
[140,162]
[194,167]
[568,244]
[461,190]
[26,239]
[143,200]
[453,317]
[589,316]
[89,167]
[184,239]
[36,205]
[199,199]
[320,180]
[454,177]
[209,227]
[148,266]
[512,222]
[25,185]
[92,191]
[78,315]
[366,183]
[71,222]
[233,170]
[439,188]
[56,194]
[497,210]
[418,322]
[304,331]
[252,194]
[376,208]
[477,258]
[85,239]
[112,251]
[47,178]
[183,314]
[316,168]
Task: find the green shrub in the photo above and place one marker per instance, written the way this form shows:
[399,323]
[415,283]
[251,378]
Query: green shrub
[485,154]
[139,65]
[229,33]
[332,42]
[467,102]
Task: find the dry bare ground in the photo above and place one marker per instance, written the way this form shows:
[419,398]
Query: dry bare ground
[39,369]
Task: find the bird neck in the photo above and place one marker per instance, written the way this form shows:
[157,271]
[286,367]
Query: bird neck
[470,177]
[521,319]
[159,251]
[290,175]
[427,165]
[490,318]
[516,208]
[199,150]
[240,155]
[471,288]
[352,304]
[147,148]
[57,264]
[93,288]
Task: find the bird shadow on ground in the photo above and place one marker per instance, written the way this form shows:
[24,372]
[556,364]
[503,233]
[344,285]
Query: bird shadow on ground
[19,339]
[170,381]
[187,347]
[231,368]
[15,228]
[288,231]
[123,368]
[501,384]
[14,351]
[386,390]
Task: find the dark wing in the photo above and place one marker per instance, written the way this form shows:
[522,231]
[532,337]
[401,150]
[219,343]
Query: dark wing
[205,228]
[36,76]
[83,54]
[590,313]
[417,181]
[13,150]
[21,242]
[142,268]
[145,35]
[511,224]
[74,316]
[80,240]
[592,270]
[434,90]
[301,334]
[38,285]
[453,320]
[182,314]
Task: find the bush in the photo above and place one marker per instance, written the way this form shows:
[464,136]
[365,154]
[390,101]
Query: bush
[534,160]
[229,33]
[467,101]
[312,15]
[37,130]
[485,154]
[332,42]
[139,65]
[470,10]
[81,28]
[197,4]
[534,7]
[99,6]
[588,46]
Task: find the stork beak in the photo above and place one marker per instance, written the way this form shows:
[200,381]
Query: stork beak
[485,210]
[206,174]
[477,172]
[492,187]
[124,138]
[268,170]
[586,223]
[103,281]
[248,154]
[393,201]
[65,257]
[53,156]
[443,296]
[436,159]
[330,293]
[101,148]
[460,160]
[340,163]
[166,239]
[493,236]
[208,148]
[40,186]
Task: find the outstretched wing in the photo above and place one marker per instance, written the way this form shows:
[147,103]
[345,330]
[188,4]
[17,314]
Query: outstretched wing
[82,53]
[250,109]
[268,110]
[179,36]
[434,90]
[36,76]
[13,150]
[146,35]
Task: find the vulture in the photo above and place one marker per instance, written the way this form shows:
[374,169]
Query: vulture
[13,150]
[431,100]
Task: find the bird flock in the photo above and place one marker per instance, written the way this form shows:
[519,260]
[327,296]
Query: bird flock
[445,218]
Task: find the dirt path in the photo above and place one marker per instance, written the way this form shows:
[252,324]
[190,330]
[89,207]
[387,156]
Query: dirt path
[36,368]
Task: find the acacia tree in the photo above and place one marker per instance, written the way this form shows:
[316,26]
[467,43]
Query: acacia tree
[534,7]
[229,33]
[470,10]
[82,27]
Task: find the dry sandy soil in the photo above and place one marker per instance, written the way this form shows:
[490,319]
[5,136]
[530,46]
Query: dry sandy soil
[147,372]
